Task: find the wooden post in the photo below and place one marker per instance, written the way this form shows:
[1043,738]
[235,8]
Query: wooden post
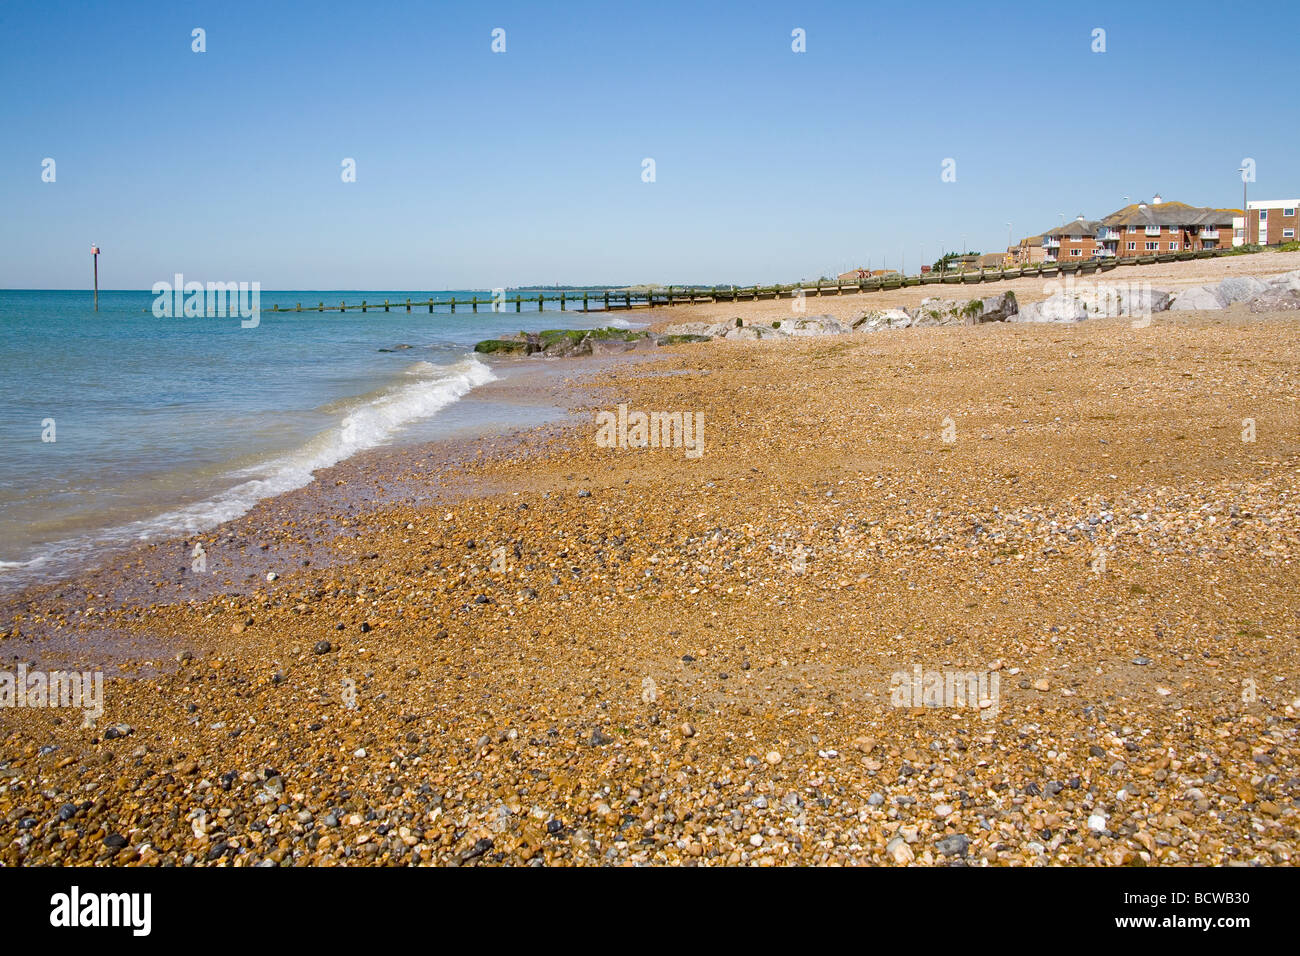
[519,298]
[408,305]
[584,302]
[431,305]
[363,305]
[343,306]
[385,305]
[627,299]
[298,308]
[320,307]
[541,302]
[606,300]
[453,305]
[474,304]
[94,254]
[561,300]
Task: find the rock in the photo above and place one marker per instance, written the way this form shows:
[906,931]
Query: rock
[995,308]
[1134,300]
[1057,308]
[1097,823]
[811,325]
[773,757]
[955,844]
[1276,300]
[1241,288]
[321,647]
[900,851]
[874,319]
[876,799]
[1197,298]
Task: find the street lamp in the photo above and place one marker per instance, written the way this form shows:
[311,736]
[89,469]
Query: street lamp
[1245,208]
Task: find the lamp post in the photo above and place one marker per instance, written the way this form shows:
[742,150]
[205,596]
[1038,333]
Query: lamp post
[1245,209]
[94,255]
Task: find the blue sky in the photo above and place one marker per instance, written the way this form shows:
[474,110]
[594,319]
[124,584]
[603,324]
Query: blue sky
[477,169]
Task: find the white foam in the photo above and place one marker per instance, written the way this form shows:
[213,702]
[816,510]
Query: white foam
[366,421]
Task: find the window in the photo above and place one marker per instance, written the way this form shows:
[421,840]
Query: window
[1288,213]
[1288,233]
[1263,215]
[1076,252]
[1132,247]
[1173,247]
[1076,238]
[1153,246]
[1132,230]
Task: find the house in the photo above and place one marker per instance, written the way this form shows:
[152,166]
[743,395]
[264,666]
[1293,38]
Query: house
[990,260]
[1027,252]
[1148,229]
[1074,240]
[1269,222]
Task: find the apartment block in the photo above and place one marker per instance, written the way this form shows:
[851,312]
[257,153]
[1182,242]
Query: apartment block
[1074,240]
[1158,227]
[1269,222]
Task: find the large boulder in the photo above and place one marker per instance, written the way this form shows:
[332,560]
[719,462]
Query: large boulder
[874,319]
[936,311]
[812,325]
[750,332]
[1241,288]
[1286,282]
[994,308]
[1056,308]
[1276,300]
[1137,299]
[1197,298]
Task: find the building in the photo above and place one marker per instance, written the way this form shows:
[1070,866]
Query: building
[1158,227]
[1074,240]
[989,260]
[1269,222]
[856,275]
[1027,252]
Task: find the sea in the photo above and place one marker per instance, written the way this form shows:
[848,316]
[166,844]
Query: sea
[118,426]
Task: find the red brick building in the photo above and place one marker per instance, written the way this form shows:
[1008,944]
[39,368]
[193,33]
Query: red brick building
[1074,240]
[1158,227]
[1271,222]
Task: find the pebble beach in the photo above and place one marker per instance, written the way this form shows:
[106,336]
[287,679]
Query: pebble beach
[531,649]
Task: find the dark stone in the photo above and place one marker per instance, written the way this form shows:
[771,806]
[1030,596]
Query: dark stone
[954,845]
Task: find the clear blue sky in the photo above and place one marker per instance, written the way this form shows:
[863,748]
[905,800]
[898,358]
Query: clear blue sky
[477,169]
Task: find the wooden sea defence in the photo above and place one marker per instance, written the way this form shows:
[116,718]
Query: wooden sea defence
[612,300]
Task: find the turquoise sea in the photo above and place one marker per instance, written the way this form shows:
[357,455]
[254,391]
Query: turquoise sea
[165,426]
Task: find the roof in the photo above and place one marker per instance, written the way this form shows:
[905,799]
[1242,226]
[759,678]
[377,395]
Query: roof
[1170,214]
[1076,227]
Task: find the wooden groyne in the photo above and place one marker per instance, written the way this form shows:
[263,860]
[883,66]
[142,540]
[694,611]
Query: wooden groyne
[620,300]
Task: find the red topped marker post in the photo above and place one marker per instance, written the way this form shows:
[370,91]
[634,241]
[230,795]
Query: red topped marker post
[94,254]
